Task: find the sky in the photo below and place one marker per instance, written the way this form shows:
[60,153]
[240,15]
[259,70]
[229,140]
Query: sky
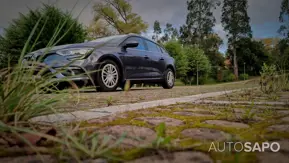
[264,14]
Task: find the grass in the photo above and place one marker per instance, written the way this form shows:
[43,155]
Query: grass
[22,97]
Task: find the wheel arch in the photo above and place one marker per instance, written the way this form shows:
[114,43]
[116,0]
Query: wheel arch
[172,68]
[114,59]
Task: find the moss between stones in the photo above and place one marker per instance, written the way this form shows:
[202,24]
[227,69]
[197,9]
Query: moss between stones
[256,133]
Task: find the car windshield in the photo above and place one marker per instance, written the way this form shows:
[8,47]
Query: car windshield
[110,39]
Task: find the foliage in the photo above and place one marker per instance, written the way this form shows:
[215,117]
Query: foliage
[225,76]
[21,93]
[206,80]
[50,18]
[197,62]
[82,145]
[271,80]
[118,14]
[98,29]
[281,54]
[235,20]
[252,53]
[283,18]
[211,45]
[229,77]
[175,49]
[23,97]
[244,76]
[109,101]
[162,140]
[249,113]
[189,59]
[199,22]
[157,31]
[170,33]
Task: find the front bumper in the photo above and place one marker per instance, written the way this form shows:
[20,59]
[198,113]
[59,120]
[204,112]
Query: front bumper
[70,74]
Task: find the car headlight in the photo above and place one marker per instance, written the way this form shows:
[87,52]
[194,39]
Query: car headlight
[76,52]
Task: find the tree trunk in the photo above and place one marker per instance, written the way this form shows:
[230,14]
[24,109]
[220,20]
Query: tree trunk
[235,63]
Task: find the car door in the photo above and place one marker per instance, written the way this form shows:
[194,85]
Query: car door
[156,60]
[134,60]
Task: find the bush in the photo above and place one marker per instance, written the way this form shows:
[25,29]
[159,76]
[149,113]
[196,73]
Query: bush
[49,18]
[244,77]
[228,76]
[210,81]
[273,81]
[175,49]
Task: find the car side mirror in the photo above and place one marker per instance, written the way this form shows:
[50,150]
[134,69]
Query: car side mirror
[130,44]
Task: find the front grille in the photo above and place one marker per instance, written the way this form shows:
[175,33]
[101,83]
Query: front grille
[72,71]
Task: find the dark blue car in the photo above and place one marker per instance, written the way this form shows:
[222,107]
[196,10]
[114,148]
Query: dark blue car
[111,61]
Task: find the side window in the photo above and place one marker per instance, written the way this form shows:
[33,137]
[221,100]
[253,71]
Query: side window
[140,42]
[152,47]
[163,50]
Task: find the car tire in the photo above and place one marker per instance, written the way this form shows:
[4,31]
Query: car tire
[108,77]
[169,79]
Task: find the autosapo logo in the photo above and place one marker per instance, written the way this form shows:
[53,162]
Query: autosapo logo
[244,147]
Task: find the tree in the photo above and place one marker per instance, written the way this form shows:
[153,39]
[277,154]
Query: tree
[251,53]
[175,49]
[211,45]
[99,29]
[157,31]
[235,20]
[198,64]
[50,18]
[283,18]
[170,33]
[200,21]
[118,14]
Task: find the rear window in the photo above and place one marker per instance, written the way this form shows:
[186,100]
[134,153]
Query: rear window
[153,47]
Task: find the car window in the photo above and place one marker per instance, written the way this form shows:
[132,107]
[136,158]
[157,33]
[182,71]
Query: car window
[152,47]
[163,50]
[140,42]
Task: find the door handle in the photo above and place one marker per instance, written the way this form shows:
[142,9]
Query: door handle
[162,59]
[146,57]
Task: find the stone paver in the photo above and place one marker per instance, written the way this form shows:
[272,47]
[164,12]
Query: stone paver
[285,119]
[279,128]
[284,145]
[267,157]
[283,112]
[206,134]
[100,112]
[135,136]
[227,124]
[192,114]
[178,157]
[107,119]
[157,120]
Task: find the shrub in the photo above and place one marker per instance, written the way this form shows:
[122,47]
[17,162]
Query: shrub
[49,18]
[273,81]
[244,77]
[175,49]
[210,81]
[227,76]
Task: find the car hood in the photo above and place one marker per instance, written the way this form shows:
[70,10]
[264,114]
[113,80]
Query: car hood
[39,52]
